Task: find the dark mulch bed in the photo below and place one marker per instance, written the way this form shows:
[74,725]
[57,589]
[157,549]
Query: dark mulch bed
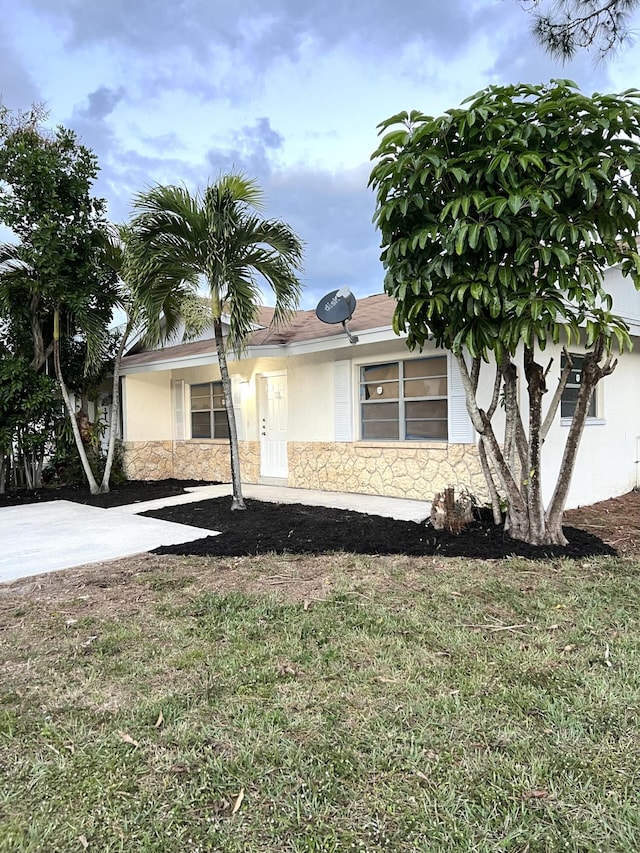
[133,491]
[296,529]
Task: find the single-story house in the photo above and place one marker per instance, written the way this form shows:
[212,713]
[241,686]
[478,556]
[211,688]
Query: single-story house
[317,409]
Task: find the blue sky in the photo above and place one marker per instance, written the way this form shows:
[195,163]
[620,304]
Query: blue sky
[288,91]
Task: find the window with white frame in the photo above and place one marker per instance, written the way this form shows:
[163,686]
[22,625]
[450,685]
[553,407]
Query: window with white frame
[404,400]
[572,389]
[208,412]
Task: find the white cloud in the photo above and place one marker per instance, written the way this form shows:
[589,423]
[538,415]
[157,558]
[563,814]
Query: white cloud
[289,92]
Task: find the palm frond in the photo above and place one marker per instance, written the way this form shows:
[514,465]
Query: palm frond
[177,238]
[11,259]
[277,236]
[196,314]
[238,189]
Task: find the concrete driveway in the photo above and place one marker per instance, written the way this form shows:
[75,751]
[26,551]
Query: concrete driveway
[57,535]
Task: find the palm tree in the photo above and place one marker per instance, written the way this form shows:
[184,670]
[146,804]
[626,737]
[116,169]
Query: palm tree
[219,237]
[153,308]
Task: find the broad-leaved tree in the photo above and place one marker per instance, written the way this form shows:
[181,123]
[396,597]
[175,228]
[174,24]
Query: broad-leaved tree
[498,221]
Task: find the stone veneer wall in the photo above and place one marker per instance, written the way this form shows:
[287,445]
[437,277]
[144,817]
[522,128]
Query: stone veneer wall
[401,471]
[376,469]
[189,460]
[148,460]
[209,460]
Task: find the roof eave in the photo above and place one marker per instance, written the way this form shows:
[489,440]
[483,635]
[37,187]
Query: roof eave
[270,350]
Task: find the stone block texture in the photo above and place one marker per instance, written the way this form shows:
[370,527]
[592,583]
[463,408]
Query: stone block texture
[189,460]
[402,470]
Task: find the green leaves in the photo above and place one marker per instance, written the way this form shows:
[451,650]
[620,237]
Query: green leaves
[523,197]
[515,203]
[178,237]
[491,237]
[394,139]
[45,198]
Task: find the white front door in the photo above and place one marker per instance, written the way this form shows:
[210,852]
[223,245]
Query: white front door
[273,426]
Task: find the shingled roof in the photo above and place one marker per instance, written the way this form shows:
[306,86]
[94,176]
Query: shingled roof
[372,312]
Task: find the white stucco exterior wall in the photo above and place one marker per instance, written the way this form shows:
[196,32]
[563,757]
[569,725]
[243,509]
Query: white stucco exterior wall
[606,463]
[148,407]
[311,399]
[606,460]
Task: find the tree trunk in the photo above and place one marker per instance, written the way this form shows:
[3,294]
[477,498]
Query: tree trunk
[39,466]
[553,532]
[494,452]
[533,476]
[115,408]
[526,520]
[36,333]
[237,500]
[517,524]
[27,471]
[495,497]
[514,430]
[592,373]
[82,453]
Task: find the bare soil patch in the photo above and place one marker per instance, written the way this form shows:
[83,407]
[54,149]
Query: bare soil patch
[615,521]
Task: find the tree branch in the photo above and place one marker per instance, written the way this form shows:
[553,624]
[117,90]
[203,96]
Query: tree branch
[557,397]
[493,492]
[582,23]
[495,397]
[592,373]
[483,426]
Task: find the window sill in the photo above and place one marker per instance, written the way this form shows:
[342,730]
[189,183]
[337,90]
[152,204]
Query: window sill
[206,440]
[566,422]
[395,442]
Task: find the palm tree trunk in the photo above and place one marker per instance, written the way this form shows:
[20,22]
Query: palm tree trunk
[82,453]
[237,501]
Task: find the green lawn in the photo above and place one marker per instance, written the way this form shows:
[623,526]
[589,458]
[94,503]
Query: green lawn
[322,704]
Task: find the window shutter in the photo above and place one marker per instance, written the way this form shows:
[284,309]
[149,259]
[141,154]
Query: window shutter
[342,414]
[461,429]
[236,396]
[178,410]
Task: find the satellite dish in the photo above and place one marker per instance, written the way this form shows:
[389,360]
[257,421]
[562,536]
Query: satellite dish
[338,307]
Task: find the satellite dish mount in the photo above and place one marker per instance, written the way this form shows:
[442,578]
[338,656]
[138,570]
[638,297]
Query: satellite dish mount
[338,307]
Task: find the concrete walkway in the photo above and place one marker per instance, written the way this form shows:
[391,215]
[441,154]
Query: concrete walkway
[56,535]
[402,509]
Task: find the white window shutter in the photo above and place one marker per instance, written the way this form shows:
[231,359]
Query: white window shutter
[178,409]
[461,429]
[236,395]
[342,410]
